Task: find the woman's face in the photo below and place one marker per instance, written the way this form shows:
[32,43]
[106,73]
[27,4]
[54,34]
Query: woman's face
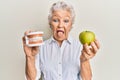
[61,24]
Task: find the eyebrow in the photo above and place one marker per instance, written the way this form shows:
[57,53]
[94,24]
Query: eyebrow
[60,17]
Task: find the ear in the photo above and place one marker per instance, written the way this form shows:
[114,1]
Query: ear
[71,26]
[50,26]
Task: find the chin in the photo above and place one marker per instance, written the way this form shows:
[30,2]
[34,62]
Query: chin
[62,38]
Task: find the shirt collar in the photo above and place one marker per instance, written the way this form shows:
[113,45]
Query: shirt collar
[69,40]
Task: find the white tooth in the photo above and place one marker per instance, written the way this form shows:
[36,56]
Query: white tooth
[35,38]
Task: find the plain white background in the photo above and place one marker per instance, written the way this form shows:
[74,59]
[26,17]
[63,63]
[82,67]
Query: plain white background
[99,16]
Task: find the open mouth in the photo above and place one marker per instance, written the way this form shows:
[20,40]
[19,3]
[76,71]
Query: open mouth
[60,31]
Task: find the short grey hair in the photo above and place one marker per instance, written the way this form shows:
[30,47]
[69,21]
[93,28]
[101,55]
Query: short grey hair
[62,5]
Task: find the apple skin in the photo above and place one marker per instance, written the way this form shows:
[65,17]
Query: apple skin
[86,37]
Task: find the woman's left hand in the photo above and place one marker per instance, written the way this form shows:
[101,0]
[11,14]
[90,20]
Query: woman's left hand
[89,52]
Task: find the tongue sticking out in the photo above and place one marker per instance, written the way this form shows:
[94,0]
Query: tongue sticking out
[60,33]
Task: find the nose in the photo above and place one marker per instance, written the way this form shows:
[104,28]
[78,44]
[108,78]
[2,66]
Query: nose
[61,24]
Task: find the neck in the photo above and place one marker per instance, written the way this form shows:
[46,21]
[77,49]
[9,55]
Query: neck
[59,42]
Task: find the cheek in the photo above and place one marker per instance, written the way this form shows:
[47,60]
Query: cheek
[53,28]
[68,27]
[54,25]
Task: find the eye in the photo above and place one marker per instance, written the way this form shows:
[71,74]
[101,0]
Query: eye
[66,21]
[55,20]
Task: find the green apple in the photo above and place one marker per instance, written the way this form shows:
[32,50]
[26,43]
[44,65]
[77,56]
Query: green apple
[86,37]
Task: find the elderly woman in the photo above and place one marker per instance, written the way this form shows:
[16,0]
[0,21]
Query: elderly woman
[61,57]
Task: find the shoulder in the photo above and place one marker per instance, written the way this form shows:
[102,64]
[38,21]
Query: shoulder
[74,41]
[46,42]
[76,46]
[45,45]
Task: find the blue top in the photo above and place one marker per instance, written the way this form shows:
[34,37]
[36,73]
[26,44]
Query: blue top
[56,62]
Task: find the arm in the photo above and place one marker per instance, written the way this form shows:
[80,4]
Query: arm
[30,53]
[88,52]
[30,68]
[86,73]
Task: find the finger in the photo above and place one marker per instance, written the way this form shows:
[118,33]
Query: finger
[86,55]
[86,48]
[28,31]
[83,56]
[97,43]
[94,47]
[35,50]
[23,39]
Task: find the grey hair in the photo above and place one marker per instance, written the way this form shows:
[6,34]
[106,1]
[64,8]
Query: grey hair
[61,5]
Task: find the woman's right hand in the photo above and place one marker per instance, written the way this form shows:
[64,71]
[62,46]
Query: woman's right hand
[29,51]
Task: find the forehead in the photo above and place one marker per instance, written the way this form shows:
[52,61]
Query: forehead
[61,13]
